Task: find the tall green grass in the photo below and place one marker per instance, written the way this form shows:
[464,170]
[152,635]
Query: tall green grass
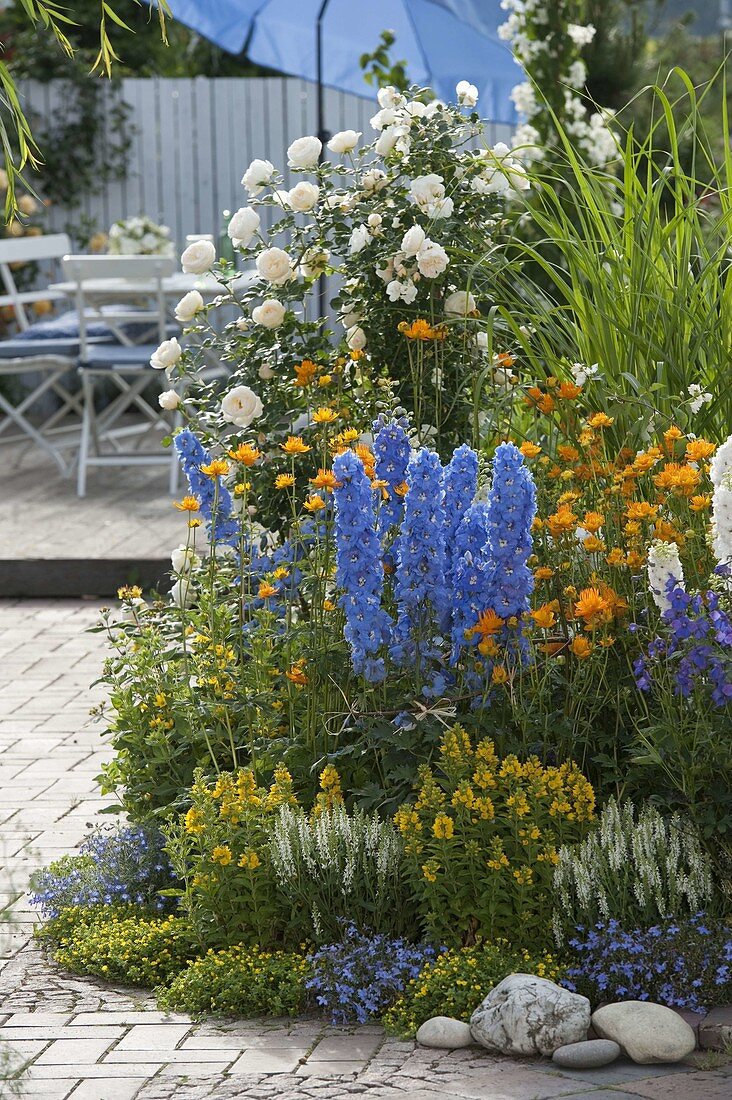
[631,268]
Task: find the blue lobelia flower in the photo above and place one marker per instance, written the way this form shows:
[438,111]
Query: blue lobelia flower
[359,568]
[392,451]
[419,580]
[193,455]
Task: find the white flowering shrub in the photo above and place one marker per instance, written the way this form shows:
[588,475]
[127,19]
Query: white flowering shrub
[547,39]
[636,867]
[139,236]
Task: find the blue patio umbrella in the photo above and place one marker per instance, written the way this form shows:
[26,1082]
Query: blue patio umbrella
[442,42]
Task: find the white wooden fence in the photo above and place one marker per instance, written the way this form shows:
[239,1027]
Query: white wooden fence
[194,137]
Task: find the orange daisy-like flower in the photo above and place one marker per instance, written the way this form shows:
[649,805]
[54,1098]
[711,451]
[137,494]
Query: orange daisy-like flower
[567,452]
[592,607]
[421,329]
[324,479]
[593,521]
[581,647]
[616,557]
[297,675]
[246,454]
[544,616]
[530,450]
[543,573]
[593,545]
[305,372]
[678,478]
[488,623]
[569,390]
[499,675]
[314,504]
[647,459]
[672,435]
[562,521]
[401,489]
[641,509]
[666,532]
[324,415]
[699,449]
[293,445]
[218,467]
[635,561]
[536,398]
[700,502]
[188,504]
[266,590]
[284,481]
[600,420]
[281,572]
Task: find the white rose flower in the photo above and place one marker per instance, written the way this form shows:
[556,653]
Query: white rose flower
[467,94]
[427,189]
[241,406]
[169,399]
[360,237]
[356,338]
[270,314]
[198,257]
[304,152]
[189,305]
[373,181]
[275,266]
[166,355]
[440,208]
[413,240]
[182,592]
[460,303]
[388,140]
[383,118]
[265,372]
[401,291]
[432,259]
[303,196]
[345,141]
[243,225]
[183,558]
[257,176]
[389,97]
[314,261]
[350,319]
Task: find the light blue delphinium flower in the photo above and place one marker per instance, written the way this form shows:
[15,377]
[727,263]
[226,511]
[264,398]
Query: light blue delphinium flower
[193,455]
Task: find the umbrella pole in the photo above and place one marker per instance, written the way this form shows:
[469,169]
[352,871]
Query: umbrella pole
[322,132]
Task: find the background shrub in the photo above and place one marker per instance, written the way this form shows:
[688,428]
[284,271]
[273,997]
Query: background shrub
[458,980]
[241,981]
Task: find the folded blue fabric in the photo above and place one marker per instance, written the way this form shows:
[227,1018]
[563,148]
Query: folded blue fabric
[65,326]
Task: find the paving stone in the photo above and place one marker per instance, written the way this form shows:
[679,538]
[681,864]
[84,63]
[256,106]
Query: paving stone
[693,1086]
[346,1048]
[271,1060]
[339,1068]
[153,1037]
[108,1090]
[73,1052]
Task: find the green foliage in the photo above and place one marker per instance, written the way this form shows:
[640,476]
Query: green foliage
[121,944]
[481,841]
[634,867]
[379,69]
[458,980]
[241,981]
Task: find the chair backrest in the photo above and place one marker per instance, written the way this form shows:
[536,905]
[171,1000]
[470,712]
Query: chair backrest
[133,283]
[22,250]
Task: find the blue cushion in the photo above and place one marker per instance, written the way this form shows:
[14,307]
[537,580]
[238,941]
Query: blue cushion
[109,356]
[27,349]
[65,326]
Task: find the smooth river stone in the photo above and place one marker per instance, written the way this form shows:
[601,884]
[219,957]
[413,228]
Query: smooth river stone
[647,1032]
[588,1055]
[444,1033]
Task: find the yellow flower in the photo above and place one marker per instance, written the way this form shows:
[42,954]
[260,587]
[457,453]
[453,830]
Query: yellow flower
[529,450]
[324,479]
[443,827]
[249,861]
[324,416]
[499,675]
[266,590]
[314,503]
[222,855]
[543,573]
[581,647]
[129,592]
[293,445]
[600,420]
[194,823]
[217,467]
[305,372]
[544,616]
[430,869]
[188,504]
[699,449]
[284,481]
[700,502]
[246,454]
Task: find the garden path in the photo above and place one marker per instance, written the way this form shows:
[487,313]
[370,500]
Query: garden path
[84,1040]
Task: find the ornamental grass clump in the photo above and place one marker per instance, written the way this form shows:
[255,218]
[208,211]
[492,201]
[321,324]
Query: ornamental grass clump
[456,982]
[335,867]
[481,840]
[635,867]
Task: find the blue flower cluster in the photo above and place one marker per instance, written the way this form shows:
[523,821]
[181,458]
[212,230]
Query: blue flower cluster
[696,650]
[419,582]
[682,963]
[122,866]
[193,455]
[392,451]
[461,485]
[469,577]
[359,569]
[358,979]
[511,511]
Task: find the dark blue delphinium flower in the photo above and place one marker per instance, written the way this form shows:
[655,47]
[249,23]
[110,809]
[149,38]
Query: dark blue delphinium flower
[123,866]
[392,451]
[359,568]
[356,980]
[193,455]
[419,580]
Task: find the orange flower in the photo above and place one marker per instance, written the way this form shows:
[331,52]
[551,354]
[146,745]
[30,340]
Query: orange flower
[188,504]
[305,372]
[699,449]
[218,467]
[562,521]
[293,445]
[544,616]
[569,390]
[401,489]
[678,478]
[529,450]
[700,502]
[314,504]
[324,415]
[641,509]
[543,573]
[284,481]
[593,521]
[635,561]
[324,479]
[536,398]
[296,674]
[646,459]
[600,420]
[246,454]
[593,545]
[488,647]
[281,572]
[499,675]
[616,557]
[422,330]
[581,647]
[567,452]
[666,532]
[266,590]
[671,435]
[488,623]
[592,607]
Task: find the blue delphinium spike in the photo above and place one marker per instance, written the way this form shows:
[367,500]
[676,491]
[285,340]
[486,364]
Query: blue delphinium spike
[193,455]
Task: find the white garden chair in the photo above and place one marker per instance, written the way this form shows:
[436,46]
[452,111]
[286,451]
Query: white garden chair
[36,367]
[139,325]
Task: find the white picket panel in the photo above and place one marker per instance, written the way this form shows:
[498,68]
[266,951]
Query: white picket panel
[194,137]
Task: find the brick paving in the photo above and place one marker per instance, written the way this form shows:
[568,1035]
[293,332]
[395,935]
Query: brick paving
[81,1039]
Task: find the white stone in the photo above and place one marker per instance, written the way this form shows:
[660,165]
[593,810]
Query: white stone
[529,1015]
[647,1032]
[587,1055]
[444,1033]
